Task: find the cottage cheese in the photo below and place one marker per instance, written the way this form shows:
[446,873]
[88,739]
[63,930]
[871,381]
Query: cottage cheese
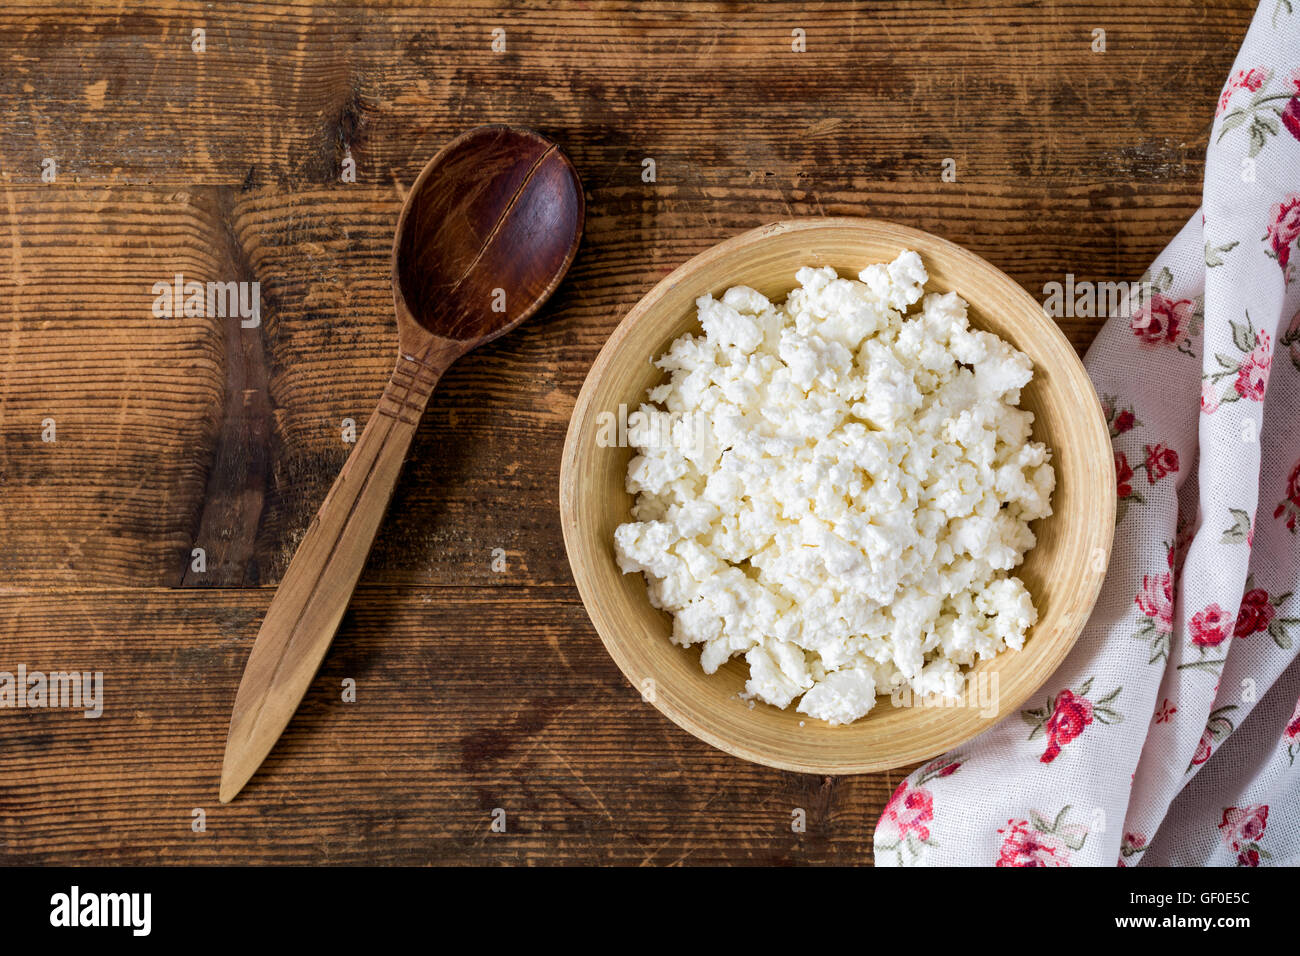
[836,488]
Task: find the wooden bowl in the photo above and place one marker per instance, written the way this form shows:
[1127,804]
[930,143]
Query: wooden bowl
[1063,572]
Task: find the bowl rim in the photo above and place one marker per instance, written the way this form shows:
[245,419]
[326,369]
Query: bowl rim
[569,514]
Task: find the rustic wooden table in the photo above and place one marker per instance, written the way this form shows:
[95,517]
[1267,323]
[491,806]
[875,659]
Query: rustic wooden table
[223,155]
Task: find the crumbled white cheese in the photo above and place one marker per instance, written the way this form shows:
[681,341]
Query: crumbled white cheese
[843,490]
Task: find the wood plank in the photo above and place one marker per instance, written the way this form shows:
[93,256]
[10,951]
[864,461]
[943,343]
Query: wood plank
[134,400]
[283,92]
[467,700]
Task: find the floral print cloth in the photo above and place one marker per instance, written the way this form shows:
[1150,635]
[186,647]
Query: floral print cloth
[1171,734]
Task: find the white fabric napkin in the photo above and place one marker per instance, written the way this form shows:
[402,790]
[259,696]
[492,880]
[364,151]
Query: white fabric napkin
[1171,734]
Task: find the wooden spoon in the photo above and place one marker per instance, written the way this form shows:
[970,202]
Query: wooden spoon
[486,234]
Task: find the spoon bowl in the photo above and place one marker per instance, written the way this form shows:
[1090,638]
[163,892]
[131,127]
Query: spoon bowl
[487,232]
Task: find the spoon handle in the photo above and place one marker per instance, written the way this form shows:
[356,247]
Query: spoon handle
[315,591]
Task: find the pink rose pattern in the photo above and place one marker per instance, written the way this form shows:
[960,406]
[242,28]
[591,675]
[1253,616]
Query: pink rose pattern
[1240,377]
[1291,112]
[1133,844]
[1209,627]
[1241,830]
[1038,841]
[1065,717]
[1216,732]
[1156,602]
[1209,398]
[1263,115]
[1246,374]
[1158,461]
[904,826]
[1258,614]
[1251,80]
[1290,505]
[1124,480]
[1292,734]
[1283,231]
[1118,419]
[1164,320]
[911,811]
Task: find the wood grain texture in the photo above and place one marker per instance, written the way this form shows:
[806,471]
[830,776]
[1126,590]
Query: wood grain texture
[522,711]
[226,165]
